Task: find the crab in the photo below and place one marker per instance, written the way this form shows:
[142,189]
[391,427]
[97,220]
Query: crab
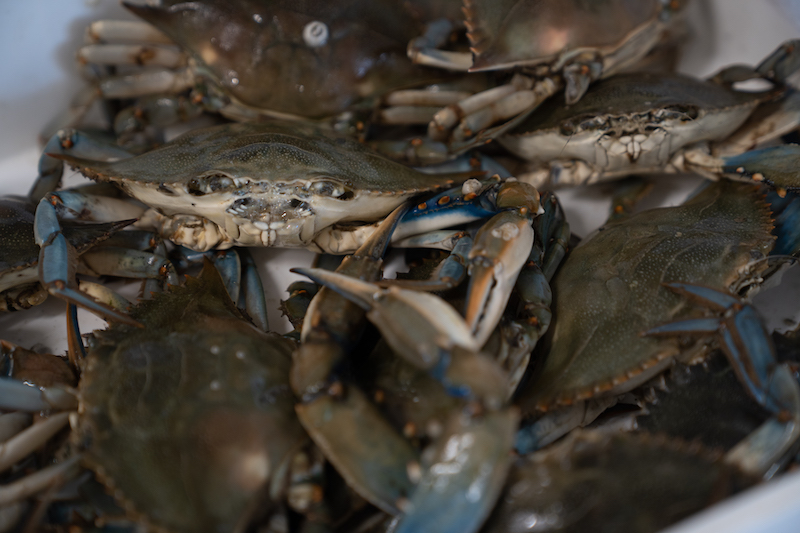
[362,50]
[555,44]
[656,122]
[212,187]
[248,60]
[604,347]
[177,407]
[585,482]
[381,465]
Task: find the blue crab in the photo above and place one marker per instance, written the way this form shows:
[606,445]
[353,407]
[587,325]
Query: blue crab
[285,185]
[555,44]
[382,464]
[188,423]
[331,57]
[605,347]
[263,185]
[452,485]
[655,122]
[248,60]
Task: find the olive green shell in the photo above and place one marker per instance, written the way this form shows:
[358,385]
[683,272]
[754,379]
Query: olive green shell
[188,420]
[610,290]
[607,483]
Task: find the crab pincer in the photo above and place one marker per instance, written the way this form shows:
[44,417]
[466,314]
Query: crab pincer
[473,450]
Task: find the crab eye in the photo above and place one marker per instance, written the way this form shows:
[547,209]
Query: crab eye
[300,207]
[207,184]
[677,112]
[330,189]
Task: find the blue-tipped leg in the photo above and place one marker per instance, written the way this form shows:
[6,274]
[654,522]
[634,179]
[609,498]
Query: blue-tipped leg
[58,266]
[751,354]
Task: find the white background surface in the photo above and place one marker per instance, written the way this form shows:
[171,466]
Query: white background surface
[39,39]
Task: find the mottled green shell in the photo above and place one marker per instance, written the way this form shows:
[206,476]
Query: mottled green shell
[608,483]
[627,95]
[610,289]
[518,32]
[189,419]
[265,152]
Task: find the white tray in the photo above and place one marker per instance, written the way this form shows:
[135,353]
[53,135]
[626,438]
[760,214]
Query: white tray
[39,40]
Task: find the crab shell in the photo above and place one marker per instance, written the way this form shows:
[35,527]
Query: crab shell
[587,482]
[310,59]
[633,122]
[189,422]
[262,185]
[510,33]
[610,290]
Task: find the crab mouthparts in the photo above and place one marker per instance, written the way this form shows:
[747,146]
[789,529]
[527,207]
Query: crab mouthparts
[257,222]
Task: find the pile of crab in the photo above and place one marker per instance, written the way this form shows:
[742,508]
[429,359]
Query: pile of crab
[512,379]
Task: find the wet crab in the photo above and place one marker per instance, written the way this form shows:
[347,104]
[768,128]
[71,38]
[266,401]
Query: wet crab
[556,44]
[290,186]
[362,50]
[248,60]
[599,349]
[177,407]
[656,122]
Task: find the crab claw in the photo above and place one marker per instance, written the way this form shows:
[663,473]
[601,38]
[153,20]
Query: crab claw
[501,249]
[426,331]
[57,266]
[435,324]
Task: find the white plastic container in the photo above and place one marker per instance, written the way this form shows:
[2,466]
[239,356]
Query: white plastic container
[38,79]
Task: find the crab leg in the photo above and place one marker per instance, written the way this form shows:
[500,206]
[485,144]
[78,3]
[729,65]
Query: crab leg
[37,482]
[425,49]
[76,204]
[781,63]
[751,355]
[68,141]
[778,166]
[240,276]
[132,54]
[144,83]
[30,439]
[467,124]
[17,396]
[125,31]
[57,265]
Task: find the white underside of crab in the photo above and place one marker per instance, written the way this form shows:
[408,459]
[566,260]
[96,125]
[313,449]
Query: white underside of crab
[597,155]
[223,220]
